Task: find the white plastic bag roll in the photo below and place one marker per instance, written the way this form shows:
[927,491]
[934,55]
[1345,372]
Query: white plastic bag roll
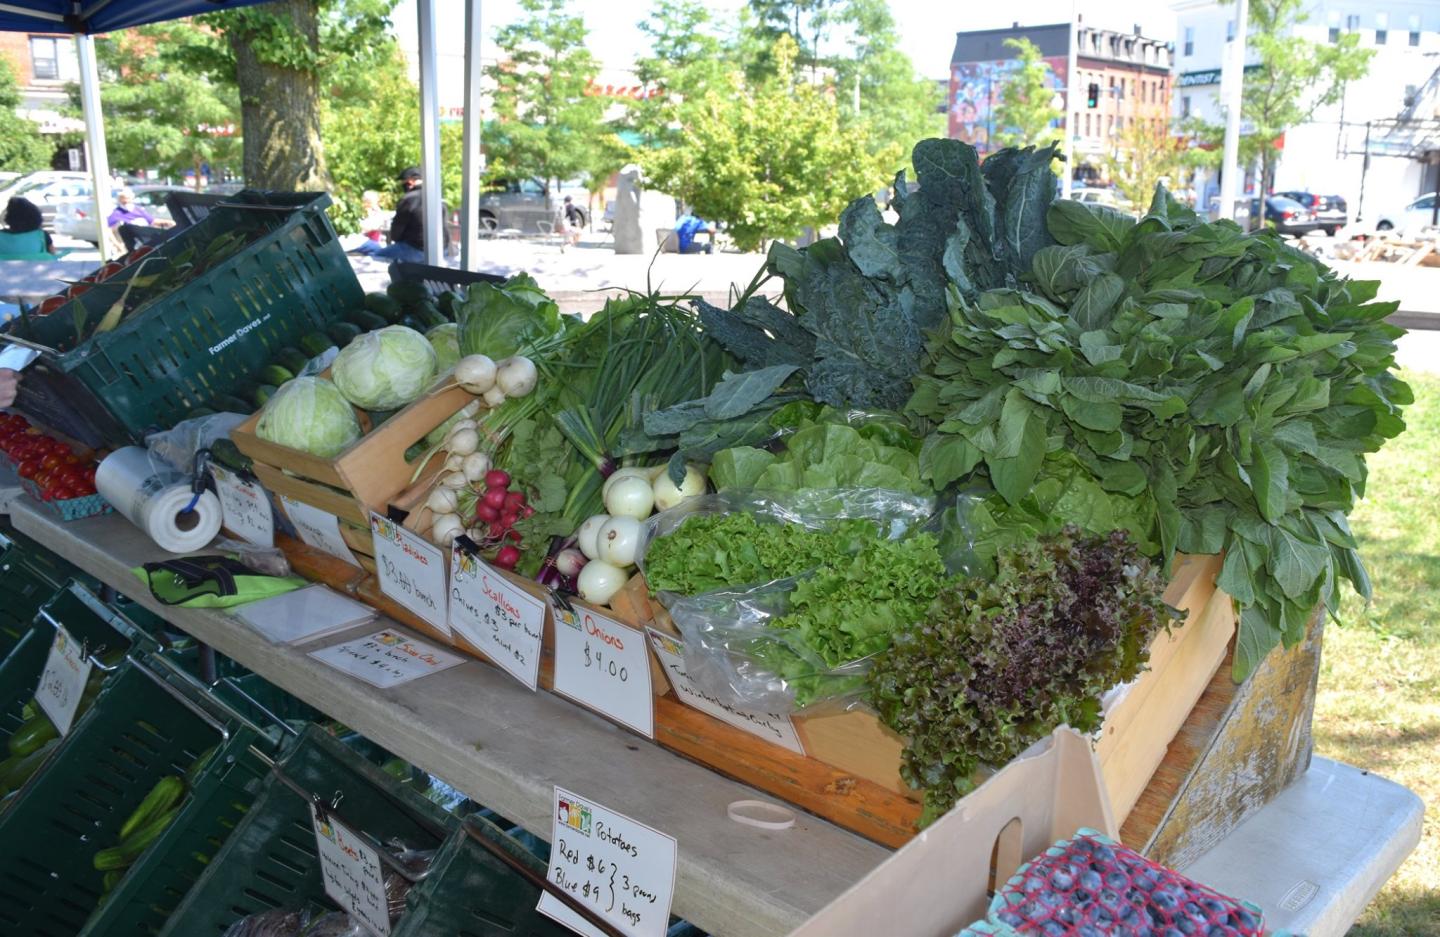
[154,499]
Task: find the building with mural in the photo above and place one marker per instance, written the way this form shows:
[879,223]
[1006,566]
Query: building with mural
[1120,77]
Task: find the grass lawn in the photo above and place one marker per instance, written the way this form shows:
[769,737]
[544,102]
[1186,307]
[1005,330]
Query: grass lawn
[1379,699]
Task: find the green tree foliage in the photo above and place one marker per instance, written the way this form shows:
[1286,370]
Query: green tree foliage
[22,148]
[807,24]
[767,158]
[550,127]
[686,58]
[1147,153]
[159,115]
[1297,77]
[1026,110]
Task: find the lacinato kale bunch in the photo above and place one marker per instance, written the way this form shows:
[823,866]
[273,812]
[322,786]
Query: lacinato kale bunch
[999,663]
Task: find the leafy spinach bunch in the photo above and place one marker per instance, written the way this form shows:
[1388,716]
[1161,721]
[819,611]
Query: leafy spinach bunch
[1205,389]
[1000,661]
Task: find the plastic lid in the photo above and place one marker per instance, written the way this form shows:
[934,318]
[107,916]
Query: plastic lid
[762,814]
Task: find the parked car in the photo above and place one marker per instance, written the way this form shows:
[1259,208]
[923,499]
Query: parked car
[526,205]
[1330,210]
[77,217]
[46,189]
[1286,215]
[1418,214]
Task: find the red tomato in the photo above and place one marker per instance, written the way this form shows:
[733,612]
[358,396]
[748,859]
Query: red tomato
[72,459]
[62,492]
[52,460]
[109,270]
[79,289]
[51,304]
[29,468]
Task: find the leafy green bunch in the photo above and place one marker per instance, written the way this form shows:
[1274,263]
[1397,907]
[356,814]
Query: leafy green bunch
[1204,389]
[1000,661]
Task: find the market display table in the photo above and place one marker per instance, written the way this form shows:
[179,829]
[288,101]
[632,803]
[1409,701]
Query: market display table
[30,281]
[507,748]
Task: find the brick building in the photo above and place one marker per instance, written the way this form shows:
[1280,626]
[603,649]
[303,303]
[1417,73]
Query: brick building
[1121,77]
[43,64]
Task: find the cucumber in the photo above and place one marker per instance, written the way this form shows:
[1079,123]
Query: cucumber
[165,794]
[32,734]
[430,314]
[262,394]
[449,302]
[292,359]
[16,770]
[343,333]
[384,305]
[229,455]
[315,343]
[229,403]
[274,374]
[368,321]
[408,294]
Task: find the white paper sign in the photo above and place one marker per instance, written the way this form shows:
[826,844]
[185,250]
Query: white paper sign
[603,664]
[498,617]
[772,727]
[319,529]
[244,508]
[412,571]
[17,357]
[351,870]
[622,869]
[387,658]
[62,682]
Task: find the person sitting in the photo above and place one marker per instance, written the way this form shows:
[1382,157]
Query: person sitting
[377,220]
[407,228]
[686,227]
[128,212]
[23,238]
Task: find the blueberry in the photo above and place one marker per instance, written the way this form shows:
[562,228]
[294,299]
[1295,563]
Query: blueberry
[1090,880]
[1069,916]
[1081,897]
[1084,845]
[1052,929]
[1011,918]
[1088,930]
[1172,932]
[1194,910]
[1187,926]
[1116,880]
[1213,908]
[1104,853]
[1220,930]
[1109,899]
[1146,881]
[1034,882]
[1129,915]
[1030,910]
[1103,916]
[1244,920]
[1051,899]
[1061,880]
[1165,899]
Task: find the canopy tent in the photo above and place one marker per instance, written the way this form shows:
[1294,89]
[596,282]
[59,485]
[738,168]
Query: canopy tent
[100,16]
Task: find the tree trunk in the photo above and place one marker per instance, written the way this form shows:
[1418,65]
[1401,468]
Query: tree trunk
[280,107]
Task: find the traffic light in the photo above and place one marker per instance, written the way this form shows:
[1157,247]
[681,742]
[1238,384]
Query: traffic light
[1092,95]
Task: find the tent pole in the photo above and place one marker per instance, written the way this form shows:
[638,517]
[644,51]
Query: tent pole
[95,155]
[470,164]
[430,136]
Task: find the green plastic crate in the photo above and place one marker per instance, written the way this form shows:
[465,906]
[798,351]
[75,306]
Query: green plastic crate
[29,575]
[208,338]
[157,883]
[77,609]
[270,860]
[136,733]
[472,893]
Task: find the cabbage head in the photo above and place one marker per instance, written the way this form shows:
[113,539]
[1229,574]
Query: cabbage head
[446,341]
[309,414]
[384,369]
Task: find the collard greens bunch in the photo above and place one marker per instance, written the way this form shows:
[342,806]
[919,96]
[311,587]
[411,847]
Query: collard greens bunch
[1205,389]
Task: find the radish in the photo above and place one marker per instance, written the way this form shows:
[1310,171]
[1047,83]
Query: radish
[456,480]
[443,501]
[516,376]
[476,466]
[493,397]
[495,498]
[462,442]
[495,478]
[445,528]
[475,373]
[507,557]
[486,513]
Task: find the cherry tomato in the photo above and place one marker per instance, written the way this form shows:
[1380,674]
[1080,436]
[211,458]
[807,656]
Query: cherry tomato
[51,304]
[52,460]
[29,468]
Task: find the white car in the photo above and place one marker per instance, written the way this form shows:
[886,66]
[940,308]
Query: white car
[1418,214]
[46,189]
[76,217]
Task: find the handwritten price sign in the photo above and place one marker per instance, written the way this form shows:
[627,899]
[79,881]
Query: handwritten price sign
[351,870]
[501,619]
[387,658]
[604,665]
[412,571]
[62,682]
[320,529]
[620,868]
[244,507]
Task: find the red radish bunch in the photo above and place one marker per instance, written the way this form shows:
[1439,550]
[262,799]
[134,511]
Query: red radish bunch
[498,509]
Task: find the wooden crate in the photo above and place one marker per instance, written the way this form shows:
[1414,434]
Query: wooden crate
[368,476]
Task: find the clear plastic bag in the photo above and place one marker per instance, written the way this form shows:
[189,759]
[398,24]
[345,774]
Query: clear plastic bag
[733,647]
[175,448]
[267,561]
[277,923]
[335,924]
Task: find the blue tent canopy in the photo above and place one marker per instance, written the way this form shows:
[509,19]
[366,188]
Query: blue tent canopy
[100,16]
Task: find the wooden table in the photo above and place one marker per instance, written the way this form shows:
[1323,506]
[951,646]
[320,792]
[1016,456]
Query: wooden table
[507,748]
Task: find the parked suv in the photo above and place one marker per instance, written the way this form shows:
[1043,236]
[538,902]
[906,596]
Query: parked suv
[1329,210]
[525,205]
[1286,215]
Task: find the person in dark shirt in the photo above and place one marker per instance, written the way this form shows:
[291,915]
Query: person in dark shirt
[23,238]
[407,228]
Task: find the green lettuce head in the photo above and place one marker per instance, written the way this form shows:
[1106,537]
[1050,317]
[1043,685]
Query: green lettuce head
[385,369]
[309,414]
[445,339]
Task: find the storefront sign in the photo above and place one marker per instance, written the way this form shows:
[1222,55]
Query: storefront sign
[497,616]
[621,869]
[603,665]
[411,571]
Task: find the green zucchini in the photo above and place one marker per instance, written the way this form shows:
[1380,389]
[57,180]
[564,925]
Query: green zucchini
[32,734]
[342,333]
[368,321]
[408,293]
[292,359]
[262,394]
[384,305]
[430,314]
[274,374]
[315,343]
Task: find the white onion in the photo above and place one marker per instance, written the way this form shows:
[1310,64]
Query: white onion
[443,501]
[599,582]
[445,528]
[462,442]
[493,397]
[630,497]
[475,373]
[587,532]
[516,376]
[569,562]
[455,480]
[622,473]
[475,466]
[618,541]
[667,494]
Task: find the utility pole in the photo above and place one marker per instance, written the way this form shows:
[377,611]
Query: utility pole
[1236,66]
[1364,170]
[1067,178]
